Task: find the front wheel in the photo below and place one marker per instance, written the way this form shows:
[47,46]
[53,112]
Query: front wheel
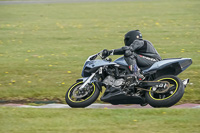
[80,99]
[168,98]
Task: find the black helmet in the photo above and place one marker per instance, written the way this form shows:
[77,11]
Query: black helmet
[131,36]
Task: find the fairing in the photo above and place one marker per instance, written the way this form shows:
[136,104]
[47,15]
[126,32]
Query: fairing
[94,64]
[177,63]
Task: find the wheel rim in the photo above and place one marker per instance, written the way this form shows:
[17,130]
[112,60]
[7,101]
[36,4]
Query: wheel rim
[73,98]
[172,90]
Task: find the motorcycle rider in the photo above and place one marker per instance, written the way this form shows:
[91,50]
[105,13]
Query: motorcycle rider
[137,53]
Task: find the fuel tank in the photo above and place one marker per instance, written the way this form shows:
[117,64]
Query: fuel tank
[121,61]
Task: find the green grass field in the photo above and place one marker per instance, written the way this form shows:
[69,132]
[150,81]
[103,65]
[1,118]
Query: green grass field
[19,120]
[43,46]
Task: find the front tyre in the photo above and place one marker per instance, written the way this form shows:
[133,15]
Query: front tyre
[80,99]
[169,98]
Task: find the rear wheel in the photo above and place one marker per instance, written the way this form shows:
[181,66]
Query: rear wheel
[80,99]
[169,97]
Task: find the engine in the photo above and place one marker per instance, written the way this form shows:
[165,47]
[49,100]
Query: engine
[111,81]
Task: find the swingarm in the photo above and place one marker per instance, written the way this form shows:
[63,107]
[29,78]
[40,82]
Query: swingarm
[156,86]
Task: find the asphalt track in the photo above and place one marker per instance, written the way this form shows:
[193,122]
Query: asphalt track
[57,1]
[99,106]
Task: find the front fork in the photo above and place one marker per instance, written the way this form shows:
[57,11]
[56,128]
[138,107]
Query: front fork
[90,79]
[87,81]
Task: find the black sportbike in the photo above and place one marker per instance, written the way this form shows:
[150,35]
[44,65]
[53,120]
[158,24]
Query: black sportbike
[160,88]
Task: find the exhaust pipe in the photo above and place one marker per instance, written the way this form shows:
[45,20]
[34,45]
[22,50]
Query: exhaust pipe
[185,82]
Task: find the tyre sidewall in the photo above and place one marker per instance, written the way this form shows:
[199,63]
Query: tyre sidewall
[172,99]
[84,103]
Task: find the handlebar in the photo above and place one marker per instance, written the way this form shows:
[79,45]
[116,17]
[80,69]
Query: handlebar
[99,54]
[93,57]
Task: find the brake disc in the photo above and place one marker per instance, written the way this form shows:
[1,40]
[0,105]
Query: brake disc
[79,94]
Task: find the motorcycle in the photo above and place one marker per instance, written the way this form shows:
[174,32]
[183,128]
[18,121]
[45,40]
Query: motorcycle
[160,88]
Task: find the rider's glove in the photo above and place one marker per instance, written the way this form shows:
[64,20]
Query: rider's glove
[106,53]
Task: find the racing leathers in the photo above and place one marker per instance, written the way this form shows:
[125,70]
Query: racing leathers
[141,53]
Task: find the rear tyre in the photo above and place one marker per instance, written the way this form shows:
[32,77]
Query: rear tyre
[169,98]
[76,99]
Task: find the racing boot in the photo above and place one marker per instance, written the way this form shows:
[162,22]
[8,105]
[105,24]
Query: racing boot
[136,73]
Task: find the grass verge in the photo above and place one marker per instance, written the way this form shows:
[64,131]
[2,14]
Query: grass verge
[21,120]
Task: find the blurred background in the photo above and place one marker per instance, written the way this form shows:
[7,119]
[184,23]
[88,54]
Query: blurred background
[44,44]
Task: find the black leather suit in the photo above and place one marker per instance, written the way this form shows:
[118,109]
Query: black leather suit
[140,53]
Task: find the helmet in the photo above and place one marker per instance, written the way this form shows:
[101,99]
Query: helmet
[131,36]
